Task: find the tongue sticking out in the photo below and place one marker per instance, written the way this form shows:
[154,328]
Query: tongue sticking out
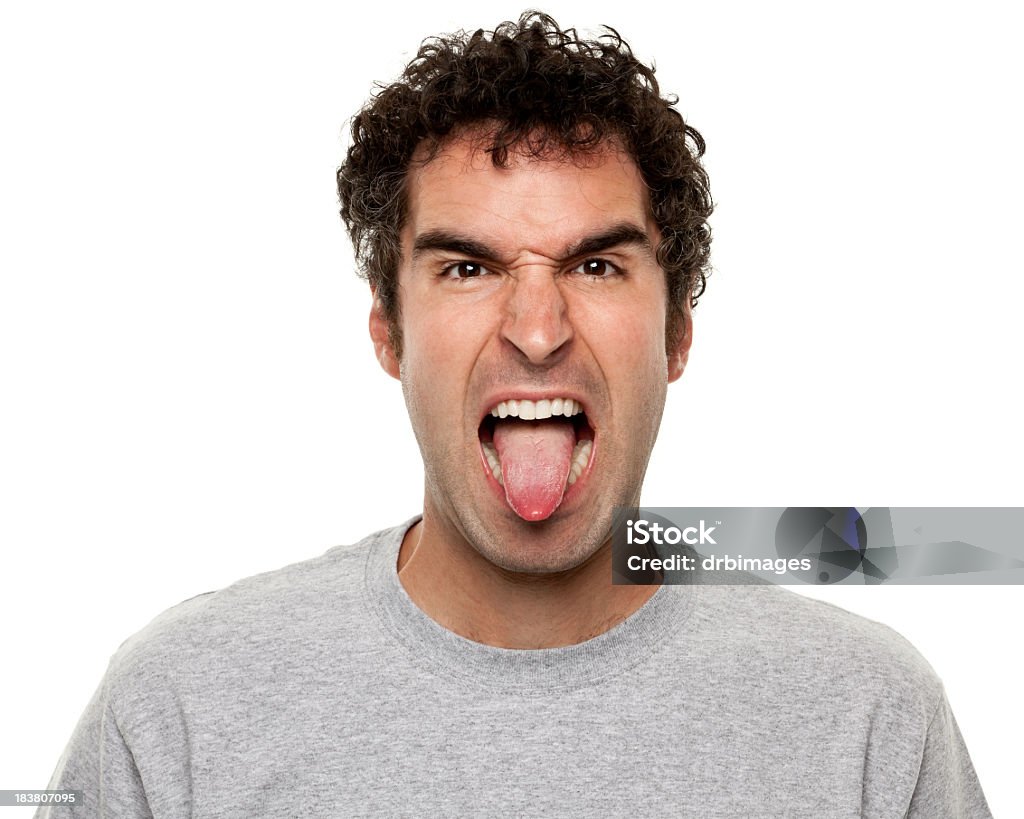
[535,460]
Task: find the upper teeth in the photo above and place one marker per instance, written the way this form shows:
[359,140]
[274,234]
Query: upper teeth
[536,410]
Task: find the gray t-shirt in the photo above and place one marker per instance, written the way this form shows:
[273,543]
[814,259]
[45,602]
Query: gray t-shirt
[321,690]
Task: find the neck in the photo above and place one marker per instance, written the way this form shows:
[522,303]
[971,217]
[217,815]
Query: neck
[462,591]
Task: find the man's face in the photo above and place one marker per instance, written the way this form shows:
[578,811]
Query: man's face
[522,288]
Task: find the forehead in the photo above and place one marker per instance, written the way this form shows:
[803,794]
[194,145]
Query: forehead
[532,203]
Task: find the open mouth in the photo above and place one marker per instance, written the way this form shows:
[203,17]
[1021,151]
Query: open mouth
[536,450]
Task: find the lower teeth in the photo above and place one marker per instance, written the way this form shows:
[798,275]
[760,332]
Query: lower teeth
[580,456]
[492,461]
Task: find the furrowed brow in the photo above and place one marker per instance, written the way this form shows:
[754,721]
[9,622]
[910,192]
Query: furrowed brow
[615,236]
[619,235]
[451,243]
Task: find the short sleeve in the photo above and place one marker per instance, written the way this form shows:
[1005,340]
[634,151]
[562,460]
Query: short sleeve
[99,765]
[947,785]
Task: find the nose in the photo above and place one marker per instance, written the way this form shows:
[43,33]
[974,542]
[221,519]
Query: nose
[537,317]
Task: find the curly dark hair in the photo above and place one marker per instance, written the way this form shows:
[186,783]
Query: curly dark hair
[542,88]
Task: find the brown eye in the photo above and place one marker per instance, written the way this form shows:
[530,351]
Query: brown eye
[464,270]
[599,268]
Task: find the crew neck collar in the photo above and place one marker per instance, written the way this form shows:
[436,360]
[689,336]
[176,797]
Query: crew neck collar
[624,646]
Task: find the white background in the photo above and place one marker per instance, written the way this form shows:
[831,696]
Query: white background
[190,396]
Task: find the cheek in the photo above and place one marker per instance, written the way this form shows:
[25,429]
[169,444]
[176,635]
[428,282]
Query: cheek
[440,346]
[422,366]
[630,341]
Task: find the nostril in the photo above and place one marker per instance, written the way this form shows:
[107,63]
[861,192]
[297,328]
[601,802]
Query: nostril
[537,322]
[539,342]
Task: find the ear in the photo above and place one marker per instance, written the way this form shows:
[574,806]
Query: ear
[382,338]
[678,356]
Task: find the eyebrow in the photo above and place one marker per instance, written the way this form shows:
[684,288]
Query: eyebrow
[451,243]
[624,233]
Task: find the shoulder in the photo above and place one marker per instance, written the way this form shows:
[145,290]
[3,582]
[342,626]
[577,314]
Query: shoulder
[815,648]
[277,617]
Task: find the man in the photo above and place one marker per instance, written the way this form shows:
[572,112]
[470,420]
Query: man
[532,217]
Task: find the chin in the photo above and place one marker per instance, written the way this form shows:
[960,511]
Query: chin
[542,551]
